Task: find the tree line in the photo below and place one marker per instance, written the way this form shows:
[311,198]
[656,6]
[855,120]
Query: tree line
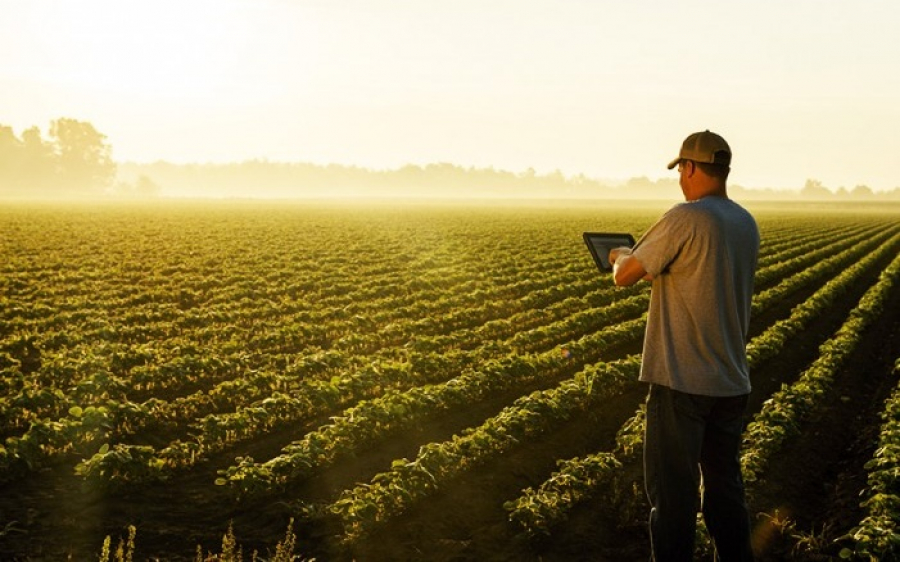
[76,160]
[261,178]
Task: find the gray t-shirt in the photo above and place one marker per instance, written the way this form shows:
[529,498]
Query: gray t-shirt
[702,256]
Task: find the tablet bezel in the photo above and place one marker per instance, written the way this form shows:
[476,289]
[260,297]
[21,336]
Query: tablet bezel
[607,241]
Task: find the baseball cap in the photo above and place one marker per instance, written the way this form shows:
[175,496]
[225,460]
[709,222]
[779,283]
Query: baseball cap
[704,147]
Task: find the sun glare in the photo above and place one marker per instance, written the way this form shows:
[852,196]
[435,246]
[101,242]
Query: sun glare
[583,88]
[161,49]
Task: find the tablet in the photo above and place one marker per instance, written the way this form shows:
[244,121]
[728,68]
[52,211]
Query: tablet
[600,243]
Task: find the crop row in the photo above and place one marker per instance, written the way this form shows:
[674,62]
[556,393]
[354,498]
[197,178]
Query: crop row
[877,537]
[293,325]
[275,397]
[298,460]
[782,415]
[392,492]
[140,358]
[537,510]
[215,431]
[296,288]
[56,389]
[365,506]
[802,256]
[538,310]
[824,267]
[144,343]
[795,241]
[276,407]
[376,418]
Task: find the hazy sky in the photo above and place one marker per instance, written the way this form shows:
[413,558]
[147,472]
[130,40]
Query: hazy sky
[801,88]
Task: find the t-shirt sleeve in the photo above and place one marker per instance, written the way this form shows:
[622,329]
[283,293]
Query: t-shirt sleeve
[662,243]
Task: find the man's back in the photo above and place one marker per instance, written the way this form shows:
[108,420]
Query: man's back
[702,256]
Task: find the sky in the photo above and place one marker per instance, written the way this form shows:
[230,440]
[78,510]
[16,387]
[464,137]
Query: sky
[801,89]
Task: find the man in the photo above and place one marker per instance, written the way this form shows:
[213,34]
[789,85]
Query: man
[700,258]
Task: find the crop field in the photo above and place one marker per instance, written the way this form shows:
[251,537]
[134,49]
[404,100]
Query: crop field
[402,381]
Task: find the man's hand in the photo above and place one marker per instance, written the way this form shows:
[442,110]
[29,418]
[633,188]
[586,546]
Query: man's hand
[616,252]
[627,270]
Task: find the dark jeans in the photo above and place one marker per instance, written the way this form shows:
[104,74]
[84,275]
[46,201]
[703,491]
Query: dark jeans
[688,436]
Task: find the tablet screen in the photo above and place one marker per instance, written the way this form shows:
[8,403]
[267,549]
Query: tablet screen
[600,243]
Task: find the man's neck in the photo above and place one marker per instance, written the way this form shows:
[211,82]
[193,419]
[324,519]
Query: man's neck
[708,190]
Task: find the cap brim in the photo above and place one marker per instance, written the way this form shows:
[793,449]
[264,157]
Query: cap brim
[674,163]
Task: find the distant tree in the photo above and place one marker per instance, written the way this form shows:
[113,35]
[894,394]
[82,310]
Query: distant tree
[142,188]
[556,181]
[146,187]
[38,167]
[643,187]
[8,140]
[642,183]
[10,152]
[813,189]
[26,164]
[862,192]
[75,159]
[84,159]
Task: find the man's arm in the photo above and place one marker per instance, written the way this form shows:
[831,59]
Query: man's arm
[627,269]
